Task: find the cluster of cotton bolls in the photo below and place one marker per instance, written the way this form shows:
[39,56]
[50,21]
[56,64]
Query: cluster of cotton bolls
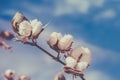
[25,28]
[10,75]
[78,58]
[60,43]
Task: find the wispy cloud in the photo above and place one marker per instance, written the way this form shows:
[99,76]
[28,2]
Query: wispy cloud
[73,6]
[9,12]
[107,14]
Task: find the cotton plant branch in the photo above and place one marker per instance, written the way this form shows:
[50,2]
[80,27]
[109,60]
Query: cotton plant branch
[76,60]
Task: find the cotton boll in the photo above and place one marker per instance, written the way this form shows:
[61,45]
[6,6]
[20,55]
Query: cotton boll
[81,54]
[17,19]
[59,36]
[25,28]
[70,62]
[86,50]
[81,66]
[76,52]
[9,74]
[36,27]
[54,38]
[65,42]
[59,76]
[86,55]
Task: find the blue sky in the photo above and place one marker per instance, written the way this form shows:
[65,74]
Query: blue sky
[93,23]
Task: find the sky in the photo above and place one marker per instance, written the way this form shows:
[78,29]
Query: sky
[93,23]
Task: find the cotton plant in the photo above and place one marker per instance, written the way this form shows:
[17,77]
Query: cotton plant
[75,61]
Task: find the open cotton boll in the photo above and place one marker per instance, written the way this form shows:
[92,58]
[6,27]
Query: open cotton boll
[69,41]
[9,74]
[59,36]
[36,27]
[81,54]
[65,42]
[25,28]
[17,19]
[70,62]
[76,52]
[86,50]
[54,37]
[81,66]
[59,76]
[86,55]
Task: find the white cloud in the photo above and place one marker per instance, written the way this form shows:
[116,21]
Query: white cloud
[97,75]
[107,14]
[73,6]
[98,3]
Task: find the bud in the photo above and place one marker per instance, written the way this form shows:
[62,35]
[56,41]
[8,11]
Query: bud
[54,38]
[81,66]
[59,76]
[6,35]
[70,62]
[36,28]
[9,74]
[65,42]
[17,19]
[25,29]
[23,77]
